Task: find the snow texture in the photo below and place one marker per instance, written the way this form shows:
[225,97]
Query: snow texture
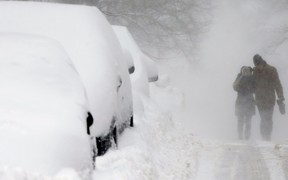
[188,129]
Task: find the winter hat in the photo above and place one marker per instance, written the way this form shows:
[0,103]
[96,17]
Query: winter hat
[257,59]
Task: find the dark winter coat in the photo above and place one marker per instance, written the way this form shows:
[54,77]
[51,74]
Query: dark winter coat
[267,82]
[245,104]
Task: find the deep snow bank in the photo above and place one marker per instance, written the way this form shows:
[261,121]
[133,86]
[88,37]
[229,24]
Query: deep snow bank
[157,148]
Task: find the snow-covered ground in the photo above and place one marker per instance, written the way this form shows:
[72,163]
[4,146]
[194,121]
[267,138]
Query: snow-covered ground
[154,149]
[188,128]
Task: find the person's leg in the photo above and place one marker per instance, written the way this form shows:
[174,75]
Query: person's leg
[240,126]
[247,127]
[266,124]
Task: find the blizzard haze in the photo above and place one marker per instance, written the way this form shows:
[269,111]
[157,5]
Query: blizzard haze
[190,104]
[237,31]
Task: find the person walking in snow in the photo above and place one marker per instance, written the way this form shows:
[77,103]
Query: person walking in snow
[245,105]
[267,82]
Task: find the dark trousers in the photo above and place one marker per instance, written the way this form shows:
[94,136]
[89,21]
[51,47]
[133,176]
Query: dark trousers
[244,127]
[266,124]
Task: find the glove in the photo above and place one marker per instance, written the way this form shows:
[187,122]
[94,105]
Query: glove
[281,105]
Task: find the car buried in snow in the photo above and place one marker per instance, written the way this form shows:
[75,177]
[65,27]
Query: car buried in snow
[145,70]
[43,107]
[96,54]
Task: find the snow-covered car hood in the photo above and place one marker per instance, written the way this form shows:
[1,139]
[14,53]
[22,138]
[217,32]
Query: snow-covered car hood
[43,107]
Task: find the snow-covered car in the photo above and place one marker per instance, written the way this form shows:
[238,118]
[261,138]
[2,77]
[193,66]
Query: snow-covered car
[145,70]
[43,107]
[95,52]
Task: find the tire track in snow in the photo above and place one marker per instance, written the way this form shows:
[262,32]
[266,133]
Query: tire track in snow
[242,161]
[237,162]
[283,155]
[276,158]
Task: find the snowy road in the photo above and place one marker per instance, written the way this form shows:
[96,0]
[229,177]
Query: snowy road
[243,160]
